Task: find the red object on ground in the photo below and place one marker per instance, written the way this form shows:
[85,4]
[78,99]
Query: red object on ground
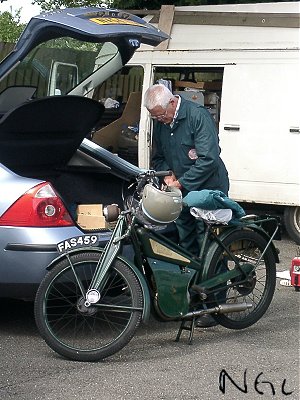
[295,273]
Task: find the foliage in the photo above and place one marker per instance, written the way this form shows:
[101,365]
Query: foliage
[47,5]
[53,4]
[156,4]
[10,26]
[70,43]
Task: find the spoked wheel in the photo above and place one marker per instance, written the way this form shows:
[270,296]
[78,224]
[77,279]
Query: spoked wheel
[258,289]
[88,333]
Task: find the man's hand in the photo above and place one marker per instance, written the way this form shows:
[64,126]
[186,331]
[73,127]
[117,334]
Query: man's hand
[168,180]
[171,180]
[176,184]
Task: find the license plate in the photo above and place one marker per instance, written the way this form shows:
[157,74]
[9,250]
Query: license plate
[77,241]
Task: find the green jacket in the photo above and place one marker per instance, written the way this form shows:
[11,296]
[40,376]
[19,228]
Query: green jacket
[191,149]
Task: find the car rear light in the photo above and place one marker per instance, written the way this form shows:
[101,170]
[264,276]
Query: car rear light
[40,206]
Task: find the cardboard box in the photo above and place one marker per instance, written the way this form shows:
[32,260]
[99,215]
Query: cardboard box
[90,216]
[213,85]
[90,209]
[91,221]
[187,84]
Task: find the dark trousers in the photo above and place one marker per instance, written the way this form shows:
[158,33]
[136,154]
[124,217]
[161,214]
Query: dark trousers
[190,231]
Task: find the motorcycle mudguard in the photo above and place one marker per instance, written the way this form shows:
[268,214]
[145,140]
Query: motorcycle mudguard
[139,275]
[224,235]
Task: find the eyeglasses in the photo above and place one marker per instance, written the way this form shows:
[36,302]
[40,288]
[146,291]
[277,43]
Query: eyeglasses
[160,116]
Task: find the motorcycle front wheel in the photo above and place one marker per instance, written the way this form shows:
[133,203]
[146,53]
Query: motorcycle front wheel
[91,333]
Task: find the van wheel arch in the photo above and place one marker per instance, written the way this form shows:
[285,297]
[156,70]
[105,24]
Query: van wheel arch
[291,218]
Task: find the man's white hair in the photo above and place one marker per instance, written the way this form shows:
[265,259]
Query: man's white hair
[157,95]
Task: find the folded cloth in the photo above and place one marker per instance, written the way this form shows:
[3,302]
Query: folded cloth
[213,200]
[220,216]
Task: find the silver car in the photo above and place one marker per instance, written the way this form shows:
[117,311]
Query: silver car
[48,165]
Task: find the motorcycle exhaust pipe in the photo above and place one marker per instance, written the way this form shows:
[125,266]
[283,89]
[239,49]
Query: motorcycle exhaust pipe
[228,308]
[221,309]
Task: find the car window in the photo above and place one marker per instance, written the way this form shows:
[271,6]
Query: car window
[121,95]
[57,66]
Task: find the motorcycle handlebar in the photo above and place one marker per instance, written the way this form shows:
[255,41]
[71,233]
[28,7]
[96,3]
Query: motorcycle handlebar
[152,174]
[145,177]
[162,173]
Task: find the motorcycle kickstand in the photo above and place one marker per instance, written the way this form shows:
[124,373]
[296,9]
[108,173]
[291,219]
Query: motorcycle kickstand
[185,326]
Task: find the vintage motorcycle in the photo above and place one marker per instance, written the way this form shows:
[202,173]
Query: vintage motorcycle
[92,300]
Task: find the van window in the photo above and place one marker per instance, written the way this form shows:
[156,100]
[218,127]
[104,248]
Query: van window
[121,95]
[63,77]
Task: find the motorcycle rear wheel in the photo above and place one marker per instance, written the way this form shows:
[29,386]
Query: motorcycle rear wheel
[247,246]
[89,333]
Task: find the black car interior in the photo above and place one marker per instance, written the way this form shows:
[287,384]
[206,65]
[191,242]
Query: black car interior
[12,96]
[41,135]
[38,138]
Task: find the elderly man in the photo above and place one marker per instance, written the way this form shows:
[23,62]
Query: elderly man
[186,142]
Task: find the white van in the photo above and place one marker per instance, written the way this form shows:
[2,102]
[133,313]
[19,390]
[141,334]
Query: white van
[242,62]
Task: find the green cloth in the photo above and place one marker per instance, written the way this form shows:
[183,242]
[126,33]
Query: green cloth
[213,200]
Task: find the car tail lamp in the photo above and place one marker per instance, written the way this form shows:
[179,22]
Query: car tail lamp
[38,207]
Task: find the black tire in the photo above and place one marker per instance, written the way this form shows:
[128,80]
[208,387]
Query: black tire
[88,333]
[247,245]
[291,219]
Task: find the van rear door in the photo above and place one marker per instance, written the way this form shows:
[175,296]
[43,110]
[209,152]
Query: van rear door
[261,152]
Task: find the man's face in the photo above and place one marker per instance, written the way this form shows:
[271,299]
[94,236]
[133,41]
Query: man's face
[164,115]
